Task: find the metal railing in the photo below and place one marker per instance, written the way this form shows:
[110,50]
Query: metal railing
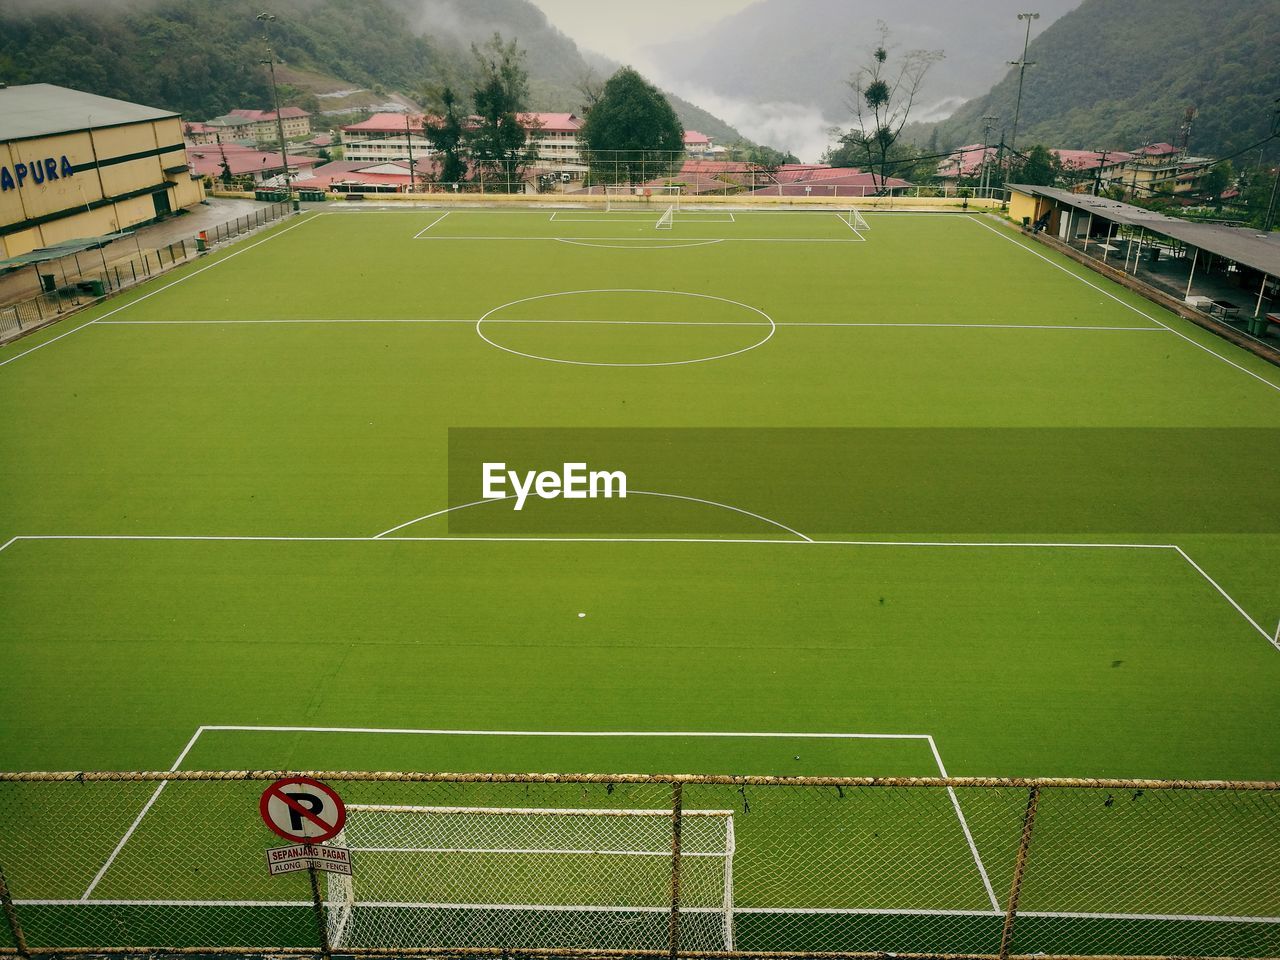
[72,289]
[647,866]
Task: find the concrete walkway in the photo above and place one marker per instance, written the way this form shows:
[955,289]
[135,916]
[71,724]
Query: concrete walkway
[24,284]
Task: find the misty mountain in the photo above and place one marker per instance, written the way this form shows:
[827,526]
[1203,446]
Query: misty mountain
[201,57]
[1118,75]
[802,52]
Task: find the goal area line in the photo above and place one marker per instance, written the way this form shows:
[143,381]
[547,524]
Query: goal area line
[925,738]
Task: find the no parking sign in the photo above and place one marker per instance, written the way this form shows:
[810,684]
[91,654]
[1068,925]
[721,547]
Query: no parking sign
[299,808]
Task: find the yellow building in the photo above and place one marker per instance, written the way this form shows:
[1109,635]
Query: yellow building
[74,165]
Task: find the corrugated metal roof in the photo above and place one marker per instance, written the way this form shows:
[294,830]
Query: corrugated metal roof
[1244,245]
[41,109]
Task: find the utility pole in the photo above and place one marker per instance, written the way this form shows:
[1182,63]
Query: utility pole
[408,136]
[1269,219]
[1188,122]
[1022,72]
[1097,178]
[988,124]
[264,19]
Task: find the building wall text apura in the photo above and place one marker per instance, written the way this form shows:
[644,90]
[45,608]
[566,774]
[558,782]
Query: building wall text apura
[37,171]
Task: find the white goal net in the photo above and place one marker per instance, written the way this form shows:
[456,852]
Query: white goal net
[632,197]
[517,878]
[667,220]
[854,218]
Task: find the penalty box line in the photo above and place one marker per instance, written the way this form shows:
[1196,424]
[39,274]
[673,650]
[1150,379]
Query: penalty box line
[409,731]
[1274,641]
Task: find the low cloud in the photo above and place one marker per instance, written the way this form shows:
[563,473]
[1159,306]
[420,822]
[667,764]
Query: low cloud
[803,130]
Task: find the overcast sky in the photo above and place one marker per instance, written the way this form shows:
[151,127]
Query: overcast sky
[618,28]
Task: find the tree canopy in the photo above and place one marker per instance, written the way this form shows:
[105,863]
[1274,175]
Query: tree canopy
[498,141]
[634,116]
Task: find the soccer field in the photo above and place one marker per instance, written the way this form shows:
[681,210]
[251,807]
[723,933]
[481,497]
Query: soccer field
[929,500]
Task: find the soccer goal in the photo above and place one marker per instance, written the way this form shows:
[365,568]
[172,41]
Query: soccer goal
[667,220]
[500,877]
[854,218]
[631,197]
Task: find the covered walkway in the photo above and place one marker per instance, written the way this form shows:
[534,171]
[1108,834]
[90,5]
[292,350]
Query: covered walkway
[1229,273]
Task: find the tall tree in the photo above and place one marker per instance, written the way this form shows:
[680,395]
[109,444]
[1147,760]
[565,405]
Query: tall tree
[446,136]
[498,142]
[1039,167]
[589,87]
[882,96]
[632,131]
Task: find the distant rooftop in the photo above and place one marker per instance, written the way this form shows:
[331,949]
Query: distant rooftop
[41,109]
[257,116]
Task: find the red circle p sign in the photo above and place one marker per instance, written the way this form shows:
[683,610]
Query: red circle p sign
[302,809]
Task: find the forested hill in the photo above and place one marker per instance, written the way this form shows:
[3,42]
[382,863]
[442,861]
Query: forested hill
[201,57]
[1117,75]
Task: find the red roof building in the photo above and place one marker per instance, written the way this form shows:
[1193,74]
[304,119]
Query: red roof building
[207,161]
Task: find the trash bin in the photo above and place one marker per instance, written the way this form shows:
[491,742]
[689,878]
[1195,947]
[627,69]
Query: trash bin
[94,288]
[297,205]
[48,282]
[1258,325]
[202,241]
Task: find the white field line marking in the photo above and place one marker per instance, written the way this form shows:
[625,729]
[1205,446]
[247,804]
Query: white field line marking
[670,323]
[1239,609]
[1084,280]
[927,738]
[8,543]
[642,493]
[142,813]
[540,212]
[556,218]
[871,911]
[431,732]
[668,540]
[172,903]
[444,239]
[145,296]
[653,245]
[431,224]
[725,540]
[964,825]
[773,327]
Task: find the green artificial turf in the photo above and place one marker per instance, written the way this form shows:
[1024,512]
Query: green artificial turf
[1100,661]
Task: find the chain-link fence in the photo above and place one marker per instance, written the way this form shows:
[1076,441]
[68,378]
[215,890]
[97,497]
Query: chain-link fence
[676,866]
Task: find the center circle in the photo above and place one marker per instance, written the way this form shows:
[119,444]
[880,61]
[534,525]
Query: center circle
[626,328]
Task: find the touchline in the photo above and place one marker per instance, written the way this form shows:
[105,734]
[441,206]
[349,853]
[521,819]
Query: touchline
[574,482]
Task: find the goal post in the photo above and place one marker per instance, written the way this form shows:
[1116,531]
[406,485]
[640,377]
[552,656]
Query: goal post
[854,218]
[667,220]
[633,196]
[531,878]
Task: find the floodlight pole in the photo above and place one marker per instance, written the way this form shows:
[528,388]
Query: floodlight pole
[264,19]
[1022,72]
